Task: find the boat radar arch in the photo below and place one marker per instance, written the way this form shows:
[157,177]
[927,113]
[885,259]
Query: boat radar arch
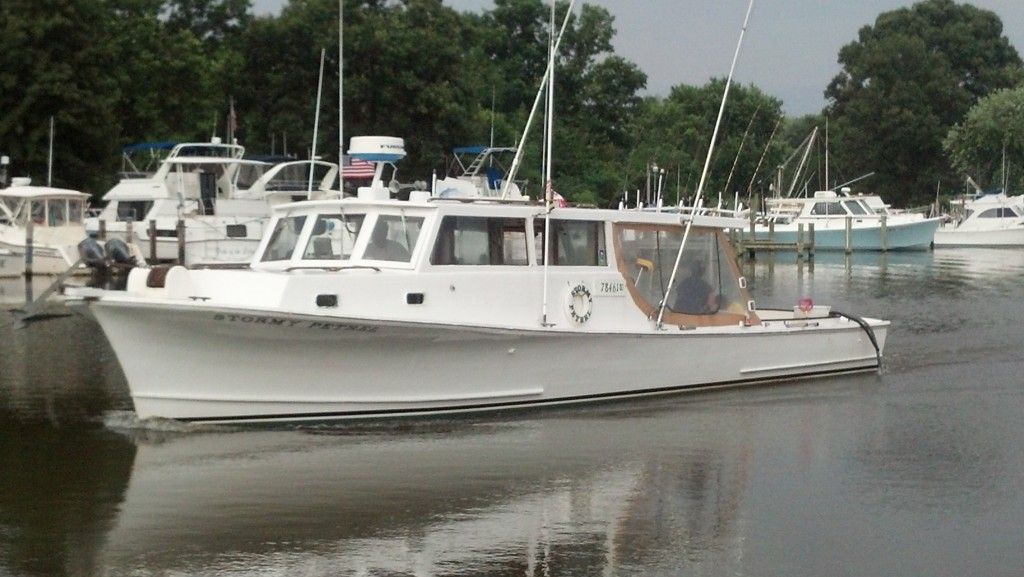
[380,150]
[377,148]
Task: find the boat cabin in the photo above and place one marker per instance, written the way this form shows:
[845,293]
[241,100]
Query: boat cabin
[615,257]
[44,206]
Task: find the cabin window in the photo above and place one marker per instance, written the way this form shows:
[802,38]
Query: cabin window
[284,238]
[11,204]
[706,284]
[574,243]
[393,238]
[38,211]
[855,208]
[56,212]
[134,210]
[828,209]
[1002,212]
[76,210]
[473,240]
[333,237]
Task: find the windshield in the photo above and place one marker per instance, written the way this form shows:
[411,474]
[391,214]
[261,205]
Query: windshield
[284,238]
[333,237]
[394,238]
[707,284]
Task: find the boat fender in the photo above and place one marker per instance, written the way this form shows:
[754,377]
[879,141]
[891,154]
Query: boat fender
[579,303]
[157,277]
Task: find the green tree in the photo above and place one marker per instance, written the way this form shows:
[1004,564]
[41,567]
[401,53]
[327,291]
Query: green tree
[675,132]
[989,144]
[905,81]
[54,63]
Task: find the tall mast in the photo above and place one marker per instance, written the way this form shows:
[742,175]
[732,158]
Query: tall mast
[341,99]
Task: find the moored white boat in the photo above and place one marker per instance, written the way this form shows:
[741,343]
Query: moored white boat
[987,220]
[371,307]
[872,226]
[56,215]
[222,198]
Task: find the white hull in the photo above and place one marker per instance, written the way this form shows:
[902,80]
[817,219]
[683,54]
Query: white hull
[865,234]
[951,237]
[45,260]
[202,363]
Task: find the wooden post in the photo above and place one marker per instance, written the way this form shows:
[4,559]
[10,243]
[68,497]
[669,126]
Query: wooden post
[181,241]
[771,231]
[29,233]
[152,241]
[103,230]
[754,204]
[810,235]
[884,234]
[799,241]
[128,231]
[849,234]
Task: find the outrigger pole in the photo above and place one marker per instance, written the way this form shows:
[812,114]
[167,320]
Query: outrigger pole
[316,124]
[707,164]
[517,160]
[549,125]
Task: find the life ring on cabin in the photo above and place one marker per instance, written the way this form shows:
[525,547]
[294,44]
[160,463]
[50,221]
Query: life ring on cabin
[579,303]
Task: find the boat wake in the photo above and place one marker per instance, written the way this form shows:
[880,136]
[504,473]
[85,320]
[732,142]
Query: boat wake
[156,429]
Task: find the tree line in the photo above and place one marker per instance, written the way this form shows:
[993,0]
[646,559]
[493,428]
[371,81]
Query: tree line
[927,95]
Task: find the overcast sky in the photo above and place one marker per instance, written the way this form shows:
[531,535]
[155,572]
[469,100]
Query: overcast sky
[790,49]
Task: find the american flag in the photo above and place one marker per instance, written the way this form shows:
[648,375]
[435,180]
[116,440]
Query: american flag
[358,168]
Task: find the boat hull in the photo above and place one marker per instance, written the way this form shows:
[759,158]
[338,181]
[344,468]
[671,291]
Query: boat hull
[951,237]
[45,261]
[914,235]
[221,365]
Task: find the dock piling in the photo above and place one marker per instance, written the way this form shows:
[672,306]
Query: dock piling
[152,241]
[180,231]
[849,234]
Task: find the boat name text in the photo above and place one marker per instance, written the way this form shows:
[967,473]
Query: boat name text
[293,323]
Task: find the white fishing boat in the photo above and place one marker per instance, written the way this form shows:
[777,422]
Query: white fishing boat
[372,307]
[56,216]
[985,220]
[222,199]
[845,221]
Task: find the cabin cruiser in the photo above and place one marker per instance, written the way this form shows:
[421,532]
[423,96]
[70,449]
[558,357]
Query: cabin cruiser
[985,220]
[222,198]
[56,216]
[872,225]
[369,306]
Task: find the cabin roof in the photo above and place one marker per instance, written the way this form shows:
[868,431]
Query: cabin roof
[41,192]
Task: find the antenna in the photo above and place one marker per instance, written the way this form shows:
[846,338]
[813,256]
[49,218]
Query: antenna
[697,200]
[548,141]
[49,159]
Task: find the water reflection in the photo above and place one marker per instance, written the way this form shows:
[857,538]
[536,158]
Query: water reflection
[916,471]
[575,494]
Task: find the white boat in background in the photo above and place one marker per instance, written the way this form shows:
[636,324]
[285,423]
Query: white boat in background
[372,307]
[872,225]
[222,198]
[57,217]
[985,220]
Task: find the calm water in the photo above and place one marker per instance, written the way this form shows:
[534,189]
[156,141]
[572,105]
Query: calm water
[917,471]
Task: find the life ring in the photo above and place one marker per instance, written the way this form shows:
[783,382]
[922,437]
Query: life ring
[579,303]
